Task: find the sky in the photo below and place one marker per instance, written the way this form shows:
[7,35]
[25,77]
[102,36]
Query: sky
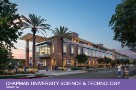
[89,18]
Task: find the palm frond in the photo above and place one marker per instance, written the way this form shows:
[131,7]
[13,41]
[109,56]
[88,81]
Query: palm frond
[36,22]
[33,19]
[24,28]
[40,21]
[26,19]
[44,26]
[44,32]
[61,31]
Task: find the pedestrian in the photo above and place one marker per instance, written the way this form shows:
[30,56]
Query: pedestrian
[25,68]
[119,72]
[123,71]
[46,68]
[16,68]
[126,71]
[53,68]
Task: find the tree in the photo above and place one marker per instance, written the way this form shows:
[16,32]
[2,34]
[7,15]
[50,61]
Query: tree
[4,55]
[125,62]
[61,33]
[9,30]
[100,60]
[107,60]
[81,58]
[134,61]
[113,63]
[119,61]
[123,22]
[4,59]
[36,24]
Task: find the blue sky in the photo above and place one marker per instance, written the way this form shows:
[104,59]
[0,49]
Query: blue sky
[89,18]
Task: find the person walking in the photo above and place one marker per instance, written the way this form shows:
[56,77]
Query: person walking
[123,71]
[16,68]
[126,71]
[119,72]
[46,68]
[25,68]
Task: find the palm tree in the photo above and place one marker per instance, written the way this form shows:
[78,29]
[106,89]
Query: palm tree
[36,24]
[61,32]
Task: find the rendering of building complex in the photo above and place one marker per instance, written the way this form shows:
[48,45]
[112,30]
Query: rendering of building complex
[49,51]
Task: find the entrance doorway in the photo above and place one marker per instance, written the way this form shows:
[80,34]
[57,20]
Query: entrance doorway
[44,62]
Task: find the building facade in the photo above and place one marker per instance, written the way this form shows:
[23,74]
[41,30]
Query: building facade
[49,52]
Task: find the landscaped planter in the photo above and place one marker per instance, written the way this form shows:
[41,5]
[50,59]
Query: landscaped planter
[9,72]
[12,76]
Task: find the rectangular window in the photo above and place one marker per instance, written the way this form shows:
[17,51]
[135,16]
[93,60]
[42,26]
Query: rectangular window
[72,49]
[37,51]
[68,61]
[79,50]
[86,51]
[48,50]
[83,50]
[64,48]
[94,53]
[89,52]
[52,48]
[44,50]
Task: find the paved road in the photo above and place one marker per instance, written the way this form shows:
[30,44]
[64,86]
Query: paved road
[87,75]
[112,74]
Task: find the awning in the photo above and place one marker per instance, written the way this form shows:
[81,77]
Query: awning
[29,37]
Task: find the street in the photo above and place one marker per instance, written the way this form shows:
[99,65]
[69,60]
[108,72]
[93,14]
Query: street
[111,74]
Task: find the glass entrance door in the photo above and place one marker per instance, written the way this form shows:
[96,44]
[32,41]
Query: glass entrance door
[44,62]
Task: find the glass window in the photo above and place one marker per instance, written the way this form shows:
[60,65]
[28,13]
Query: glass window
[85,51]
[68,61]
[79,50]
[48,49]
[89,52]
[44,50]
[37,51]
[72,49]
[52,48]
[64,48]
[94,53]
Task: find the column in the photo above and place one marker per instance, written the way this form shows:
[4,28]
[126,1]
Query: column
[27,53]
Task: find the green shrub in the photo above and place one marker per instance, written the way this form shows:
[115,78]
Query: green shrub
[2,68]
[11,67]
[76,68]
[21,71]
[1,72]
[12,72]
[31,70]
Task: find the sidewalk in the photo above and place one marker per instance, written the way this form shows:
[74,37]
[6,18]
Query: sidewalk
[133,77]
[59,73]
